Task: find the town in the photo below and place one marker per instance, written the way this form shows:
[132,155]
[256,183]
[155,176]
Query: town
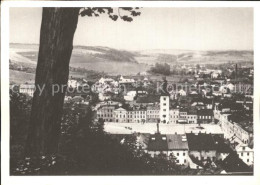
[201,120]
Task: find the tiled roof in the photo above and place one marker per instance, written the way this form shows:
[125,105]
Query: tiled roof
[157,142]
[200,141]
[177,142]
[232,163]
[205,112]
[221,146]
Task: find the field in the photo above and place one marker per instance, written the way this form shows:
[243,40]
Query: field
[19,77]
[120,62]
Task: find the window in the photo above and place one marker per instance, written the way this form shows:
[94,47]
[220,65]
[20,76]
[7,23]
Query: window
[183,154]
[242,154]
[164,99]
[247,153]
[164,110]
[177,154]
[164,104]
[177,161]
[184,160]
[247,160]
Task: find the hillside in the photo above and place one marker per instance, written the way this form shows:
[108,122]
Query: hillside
[114,61]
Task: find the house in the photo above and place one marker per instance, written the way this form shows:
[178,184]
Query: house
[130,96]
[72,83]
[136,115]
[104,96]
[205,116]
[222,147]
[192,116]
[246,154]
[153,113]
[174,116]
[182,92]
[183,116]
[214,75]
[231,87]
[178,148]
[120,115]
[233,165]
[157,145]
[106,112]
[123,80]
[208,103]
[27,88]
[201,147]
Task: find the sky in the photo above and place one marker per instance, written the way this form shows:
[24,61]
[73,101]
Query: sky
[156,28]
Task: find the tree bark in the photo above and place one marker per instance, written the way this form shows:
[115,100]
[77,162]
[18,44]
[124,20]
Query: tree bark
[56,43]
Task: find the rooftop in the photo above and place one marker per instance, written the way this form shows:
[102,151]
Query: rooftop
[177,142]
[232,163]
[157,142]
[201,141]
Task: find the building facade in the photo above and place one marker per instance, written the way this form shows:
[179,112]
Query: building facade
[164,109]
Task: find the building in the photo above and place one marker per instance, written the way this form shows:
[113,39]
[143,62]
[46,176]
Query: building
[136,115]
[192,116]
[235,132]
[130,96]
[157,145]
[106,112]
[72,83]
[246,154]
[153,113]
[201,147]
[105,80]
[164,109]
[27,88]
[123,80]
[205,116]
[174,116]
[120,115]
[130,115]
[178,148]
[233,165]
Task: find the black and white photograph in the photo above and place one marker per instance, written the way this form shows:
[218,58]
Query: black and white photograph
[131,91]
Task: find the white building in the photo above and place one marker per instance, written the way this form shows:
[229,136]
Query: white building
[72,83]
[126,80]
[164,109]
[246,154]
[130,96]
[105,80]
[174,116]
[153,113]
[178,148]
[182,92]
[27,88]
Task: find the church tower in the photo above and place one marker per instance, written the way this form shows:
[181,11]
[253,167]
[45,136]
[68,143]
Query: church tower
[164,104]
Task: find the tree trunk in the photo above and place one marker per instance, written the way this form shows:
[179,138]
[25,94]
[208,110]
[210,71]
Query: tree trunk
[56,43]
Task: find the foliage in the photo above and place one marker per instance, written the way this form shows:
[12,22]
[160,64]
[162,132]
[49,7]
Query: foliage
[20,106]
[161,69]
[84,149]
[96,11]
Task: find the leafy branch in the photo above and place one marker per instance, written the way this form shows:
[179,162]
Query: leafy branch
[129,12]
